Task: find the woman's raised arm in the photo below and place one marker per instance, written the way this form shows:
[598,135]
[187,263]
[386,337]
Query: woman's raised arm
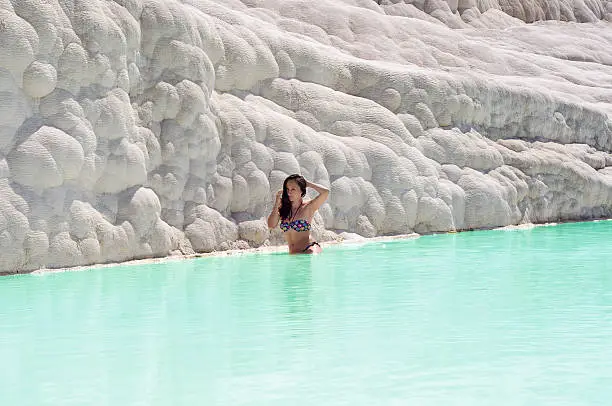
[315,203]
[274,215]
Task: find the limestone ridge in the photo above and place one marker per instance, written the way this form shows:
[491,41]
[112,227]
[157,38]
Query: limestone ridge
[140,128]
[490,13]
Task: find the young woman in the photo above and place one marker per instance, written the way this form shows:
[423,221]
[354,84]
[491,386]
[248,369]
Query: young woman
[295,214]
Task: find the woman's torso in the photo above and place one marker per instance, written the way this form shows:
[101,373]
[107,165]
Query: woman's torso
[297,232]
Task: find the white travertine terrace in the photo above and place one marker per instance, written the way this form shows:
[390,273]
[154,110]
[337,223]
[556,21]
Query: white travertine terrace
[140,128]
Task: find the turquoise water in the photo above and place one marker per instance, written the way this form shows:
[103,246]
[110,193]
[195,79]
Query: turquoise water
[478,318]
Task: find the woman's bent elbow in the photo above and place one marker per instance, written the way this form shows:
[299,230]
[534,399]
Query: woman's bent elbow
[271,225]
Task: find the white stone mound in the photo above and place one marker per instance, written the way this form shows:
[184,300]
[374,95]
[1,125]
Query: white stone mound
[141,128]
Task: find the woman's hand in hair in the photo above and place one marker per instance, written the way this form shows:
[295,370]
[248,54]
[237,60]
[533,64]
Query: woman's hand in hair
[318,188]
[274,216]
[279,196]
[315,203]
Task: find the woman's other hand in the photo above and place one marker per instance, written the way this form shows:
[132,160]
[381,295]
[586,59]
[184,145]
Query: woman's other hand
[279,196]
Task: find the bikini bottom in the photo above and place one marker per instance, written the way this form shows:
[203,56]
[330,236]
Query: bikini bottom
[312,244]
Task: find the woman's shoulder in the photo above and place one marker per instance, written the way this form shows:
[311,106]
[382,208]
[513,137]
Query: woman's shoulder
[308,208]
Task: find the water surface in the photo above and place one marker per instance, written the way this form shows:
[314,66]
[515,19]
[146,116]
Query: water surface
[478,318]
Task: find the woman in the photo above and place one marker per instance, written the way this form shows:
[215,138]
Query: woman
[296,215]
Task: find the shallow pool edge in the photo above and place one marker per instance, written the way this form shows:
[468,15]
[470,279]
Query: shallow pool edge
[280,248]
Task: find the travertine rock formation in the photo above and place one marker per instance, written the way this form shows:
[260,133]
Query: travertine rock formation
[137,128]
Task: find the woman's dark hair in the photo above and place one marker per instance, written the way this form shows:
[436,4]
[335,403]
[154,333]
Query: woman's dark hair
[285,209]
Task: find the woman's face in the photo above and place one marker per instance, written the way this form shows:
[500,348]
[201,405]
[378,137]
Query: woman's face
[293,191]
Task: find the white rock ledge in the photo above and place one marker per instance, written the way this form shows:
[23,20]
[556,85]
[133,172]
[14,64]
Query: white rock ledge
[149,128]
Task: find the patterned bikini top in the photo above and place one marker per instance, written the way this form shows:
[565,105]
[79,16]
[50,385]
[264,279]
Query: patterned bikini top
[297,225]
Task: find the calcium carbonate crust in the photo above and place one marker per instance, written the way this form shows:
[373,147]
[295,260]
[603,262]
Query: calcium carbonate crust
[145,128]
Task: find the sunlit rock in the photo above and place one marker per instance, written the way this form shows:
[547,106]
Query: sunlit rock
[132,128]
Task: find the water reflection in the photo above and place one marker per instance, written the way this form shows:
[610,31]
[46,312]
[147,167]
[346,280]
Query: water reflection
[296,287]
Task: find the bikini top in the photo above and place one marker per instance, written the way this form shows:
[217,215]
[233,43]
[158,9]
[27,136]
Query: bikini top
[297,225]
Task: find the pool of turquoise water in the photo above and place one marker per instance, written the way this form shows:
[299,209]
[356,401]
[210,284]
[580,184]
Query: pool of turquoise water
[479,318]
